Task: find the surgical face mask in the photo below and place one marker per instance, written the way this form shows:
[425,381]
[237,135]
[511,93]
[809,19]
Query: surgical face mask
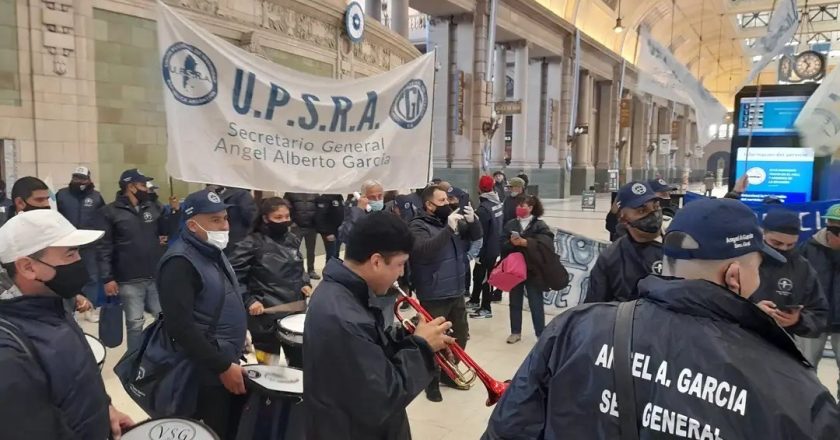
[515,192]
[650,223]
[376,205]
[216,238]
[522,212]
[68,280]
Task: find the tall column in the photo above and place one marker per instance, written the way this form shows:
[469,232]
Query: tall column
[566,92]
[462,59]
[399,17]
[534,101]
[556,134]
[583,173]
[481,94]
[664,129]
[497,157]
[638,144]
[373,9]
[440,37]
[606,128]
[520,92]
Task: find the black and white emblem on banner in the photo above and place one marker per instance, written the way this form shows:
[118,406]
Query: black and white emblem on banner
[190,74]
[410,105]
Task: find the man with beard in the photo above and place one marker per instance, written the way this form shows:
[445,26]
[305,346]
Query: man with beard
[81,205]
[790,292]
[633,256]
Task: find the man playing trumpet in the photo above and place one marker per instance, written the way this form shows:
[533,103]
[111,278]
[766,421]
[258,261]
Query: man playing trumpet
[363,377]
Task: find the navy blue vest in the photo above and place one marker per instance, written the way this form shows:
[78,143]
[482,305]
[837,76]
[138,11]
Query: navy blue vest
[220,284]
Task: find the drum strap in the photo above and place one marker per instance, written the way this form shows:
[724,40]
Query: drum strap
[25,343]
[626,394]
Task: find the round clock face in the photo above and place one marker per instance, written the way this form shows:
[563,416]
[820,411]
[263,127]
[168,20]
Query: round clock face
[809,65]
[785,67]
[354,21]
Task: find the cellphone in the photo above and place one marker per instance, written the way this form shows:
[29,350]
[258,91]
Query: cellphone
[789,308]
[514,234]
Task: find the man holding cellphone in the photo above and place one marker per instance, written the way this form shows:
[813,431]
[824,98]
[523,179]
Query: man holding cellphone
[790,292]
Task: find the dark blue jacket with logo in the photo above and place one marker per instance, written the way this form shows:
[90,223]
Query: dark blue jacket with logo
[620,267]
[130,249]
[702,357]
[365,394]
[490,215]
[83,210]
[794,283]
[59,396]
[437,260]
[826,263]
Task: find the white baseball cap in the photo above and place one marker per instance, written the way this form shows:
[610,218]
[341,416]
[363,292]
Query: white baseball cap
[81,171]
[29,232]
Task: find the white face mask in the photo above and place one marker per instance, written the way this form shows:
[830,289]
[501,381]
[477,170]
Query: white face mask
[216,238]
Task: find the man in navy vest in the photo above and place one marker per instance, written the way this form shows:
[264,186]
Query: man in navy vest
[49,379]
[197,289]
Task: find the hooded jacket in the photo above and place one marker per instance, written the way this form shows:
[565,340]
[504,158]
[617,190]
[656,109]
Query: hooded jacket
[490,215]
[826,263]
[365,394]
[794,283]
[706,364]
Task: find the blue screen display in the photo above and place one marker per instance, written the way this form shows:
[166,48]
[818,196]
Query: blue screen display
[785,173]
[769,116]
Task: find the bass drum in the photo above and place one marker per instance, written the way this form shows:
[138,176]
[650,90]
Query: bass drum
[275,404]
[98,349]
[290,333]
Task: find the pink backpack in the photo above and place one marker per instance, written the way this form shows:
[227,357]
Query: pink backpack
[509,273]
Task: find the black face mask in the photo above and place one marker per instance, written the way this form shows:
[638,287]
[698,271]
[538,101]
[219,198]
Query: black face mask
[277,231]
[142,196]
[443,212]
[153,197]
[834,230]
[68,280]
[650,223]
[29,207]
[3,195]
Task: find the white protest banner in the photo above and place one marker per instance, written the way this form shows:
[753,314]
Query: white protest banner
[661,74]
[578,255]
[781,28]
[238,120]
[819,121]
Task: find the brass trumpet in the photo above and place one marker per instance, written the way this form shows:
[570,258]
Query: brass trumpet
[464,377]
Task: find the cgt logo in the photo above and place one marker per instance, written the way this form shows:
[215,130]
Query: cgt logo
[410,105]
[189,74]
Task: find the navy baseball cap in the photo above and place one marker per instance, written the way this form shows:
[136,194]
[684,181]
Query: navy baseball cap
[782,220]
[134,176]
[722,228]
[660,185]
[634,195]
[203,202]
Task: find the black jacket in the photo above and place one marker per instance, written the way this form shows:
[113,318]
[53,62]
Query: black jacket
[490,215]
[826,262]
[620,267]
[509,208]
[366,393]
[58,396]
[130,249]
[83,210]
[329,213]
[794,283]
[7,208]
[537,230]
[438,269]
[241,214]
[268,271]
[702,354]
[303,208]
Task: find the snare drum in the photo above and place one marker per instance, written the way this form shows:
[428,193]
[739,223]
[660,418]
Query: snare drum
[274,409]
[290,333]
[170,428]
[98,349]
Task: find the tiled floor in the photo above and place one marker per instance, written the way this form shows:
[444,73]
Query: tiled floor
[462,415]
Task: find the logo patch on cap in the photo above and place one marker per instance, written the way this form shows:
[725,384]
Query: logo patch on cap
[662,182]
[740,241]
[638,189]
[213,197]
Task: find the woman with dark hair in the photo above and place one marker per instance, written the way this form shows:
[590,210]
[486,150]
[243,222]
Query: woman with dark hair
[525,234]
[269,266]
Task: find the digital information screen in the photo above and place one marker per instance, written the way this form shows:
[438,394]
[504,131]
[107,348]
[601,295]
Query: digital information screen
[770,115]
[786,173]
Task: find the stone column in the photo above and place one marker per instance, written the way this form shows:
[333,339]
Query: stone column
[664,117]
[639,141]
[520,92]
[399,17]
[497,160]
[567,81]
[482,95]
[462,59]
[583,173]
[440,37]
[373,9]
[606,128]
[534,99]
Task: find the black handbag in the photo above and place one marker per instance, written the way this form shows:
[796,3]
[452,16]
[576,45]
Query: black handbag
[111,322]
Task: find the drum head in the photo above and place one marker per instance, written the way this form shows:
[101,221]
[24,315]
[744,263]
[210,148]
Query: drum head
[293,323]
[97,348]
[170,428]
[276,379]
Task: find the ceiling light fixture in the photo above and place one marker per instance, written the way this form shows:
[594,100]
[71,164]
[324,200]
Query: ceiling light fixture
[618,27]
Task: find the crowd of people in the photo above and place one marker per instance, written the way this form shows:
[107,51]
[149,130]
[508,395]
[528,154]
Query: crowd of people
[690,313]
